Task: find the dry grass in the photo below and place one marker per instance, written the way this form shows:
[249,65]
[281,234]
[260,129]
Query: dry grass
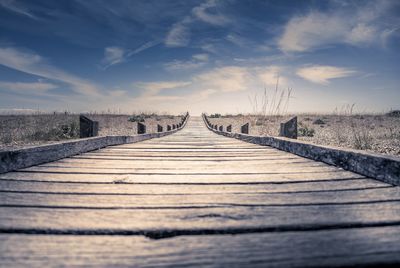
[32,129]
[376,133]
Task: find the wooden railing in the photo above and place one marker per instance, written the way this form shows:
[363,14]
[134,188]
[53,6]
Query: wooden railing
[26,157]
[381,167]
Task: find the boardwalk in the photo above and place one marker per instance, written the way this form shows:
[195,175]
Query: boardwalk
[195,198]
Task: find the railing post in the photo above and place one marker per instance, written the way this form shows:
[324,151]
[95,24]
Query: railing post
[168,127]
[221,128]
[141,128]
[244,129]
[159,128]
[289,129]
[229,128]
[87,128]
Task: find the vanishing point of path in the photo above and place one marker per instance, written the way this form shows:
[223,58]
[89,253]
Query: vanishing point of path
[195,198]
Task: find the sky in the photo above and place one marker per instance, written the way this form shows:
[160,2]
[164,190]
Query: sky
[199,55]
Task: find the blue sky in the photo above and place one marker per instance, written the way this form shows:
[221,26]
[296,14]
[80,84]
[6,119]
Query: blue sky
[203,55]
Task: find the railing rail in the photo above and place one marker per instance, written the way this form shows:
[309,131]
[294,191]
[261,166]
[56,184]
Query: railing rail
[26,157]
[381,167]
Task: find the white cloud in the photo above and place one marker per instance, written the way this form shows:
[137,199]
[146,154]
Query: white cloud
[209,48]
[225,82]
[117,93]
[153,88]
[269,75]
[179,34]
[200,57]
[322,74]
[321,29]
[237,40]
[198,60]
[34,87]
[183,65]
[361,34]
[225,79]
[113,55]
[17,8]
[314,30]
[143,47]
[34,64]
[204,94]
[202,13]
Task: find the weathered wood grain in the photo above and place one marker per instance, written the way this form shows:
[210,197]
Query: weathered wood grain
[198,218]
[331,248]
[378,166]
[182,200]
[219,201]
[180,177]
[189,189]
[30,156]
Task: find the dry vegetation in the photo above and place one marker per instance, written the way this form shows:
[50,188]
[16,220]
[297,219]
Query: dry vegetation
[375,132]
[343,128]
[22,130]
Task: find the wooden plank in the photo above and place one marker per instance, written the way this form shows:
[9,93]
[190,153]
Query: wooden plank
[171,164]
[198,218]
[329,248]
[175,177]
[195,186]
[177,201]
[29,156]
[160,168]
[189,189]
[378,166]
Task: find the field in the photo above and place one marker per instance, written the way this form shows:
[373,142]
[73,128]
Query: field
[17,131]
[375,133]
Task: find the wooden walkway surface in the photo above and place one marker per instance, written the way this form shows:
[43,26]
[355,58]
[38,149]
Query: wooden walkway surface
[195,198]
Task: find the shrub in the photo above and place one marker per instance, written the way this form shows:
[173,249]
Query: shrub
[319,121]
[306,132]
[259,122]
[215,116]
[394,113]
[362,140]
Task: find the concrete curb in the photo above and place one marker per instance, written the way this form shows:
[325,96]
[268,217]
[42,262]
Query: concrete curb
[381,167]
[31,156]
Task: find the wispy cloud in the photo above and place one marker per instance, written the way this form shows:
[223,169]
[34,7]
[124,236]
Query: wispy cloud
[17,7]
[323,74]
[183,65]
[115,55]
[26,87]
[320,29]
[179,34]
[238,40]
[201,57]
[271,75]
[225,79]
[208,13]
[197,60]
[117,93]
[143,47]
[153,88]
[34,64]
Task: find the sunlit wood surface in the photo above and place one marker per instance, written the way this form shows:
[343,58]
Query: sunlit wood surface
[195,199]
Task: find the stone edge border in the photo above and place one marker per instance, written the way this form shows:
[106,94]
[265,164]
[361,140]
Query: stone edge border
[376,166]
[31,156]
